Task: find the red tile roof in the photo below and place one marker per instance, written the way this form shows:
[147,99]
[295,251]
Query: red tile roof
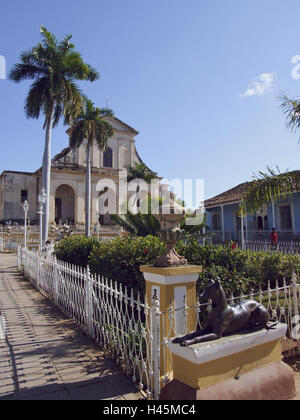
[230,196]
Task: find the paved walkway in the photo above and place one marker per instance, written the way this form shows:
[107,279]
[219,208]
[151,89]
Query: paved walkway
[44,355]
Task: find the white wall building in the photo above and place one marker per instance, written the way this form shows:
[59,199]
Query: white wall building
[67,201]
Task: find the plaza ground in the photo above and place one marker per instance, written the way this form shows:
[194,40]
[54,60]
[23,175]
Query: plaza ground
[46,356]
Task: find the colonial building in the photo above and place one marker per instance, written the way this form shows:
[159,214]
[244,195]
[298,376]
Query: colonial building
[224,221]
[67,200]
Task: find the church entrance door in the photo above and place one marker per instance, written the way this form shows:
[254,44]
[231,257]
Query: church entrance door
[65,204]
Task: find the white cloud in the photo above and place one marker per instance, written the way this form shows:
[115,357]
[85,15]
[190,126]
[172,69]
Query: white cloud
[260,85]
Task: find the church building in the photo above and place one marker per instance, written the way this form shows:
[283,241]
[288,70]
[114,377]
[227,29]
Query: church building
[67,201]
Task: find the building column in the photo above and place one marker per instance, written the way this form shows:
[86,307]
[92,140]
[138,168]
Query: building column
[242,233]
[223,223]
[80,206]
[94,196]
[273,215]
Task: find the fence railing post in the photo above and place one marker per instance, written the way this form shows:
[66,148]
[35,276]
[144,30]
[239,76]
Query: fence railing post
[39,264]
[89,302]
[24,261]
[296,317]
[18,256]
[55,281]
[155,332]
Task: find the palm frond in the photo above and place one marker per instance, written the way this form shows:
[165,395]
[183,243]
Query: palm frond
[123,223]
[138,224]
[140,171]
[95,128]
[291,108]
[54,66]
[78,134]
[38,97]
[268,187]
[21,72]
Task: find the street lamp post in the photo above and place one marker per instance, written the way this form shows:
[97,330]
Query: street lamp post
[25,208]
[42,200]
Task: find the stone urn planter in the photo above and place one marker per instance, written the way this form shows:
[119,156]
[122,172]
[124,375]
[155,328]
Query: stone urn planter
[170,217]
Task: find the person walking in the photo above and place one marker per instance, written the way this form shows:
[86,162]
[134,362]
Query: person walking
[274,239]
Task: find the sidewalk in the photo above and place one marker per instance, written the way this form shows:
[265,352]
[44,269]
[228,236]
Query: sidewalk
[44,355]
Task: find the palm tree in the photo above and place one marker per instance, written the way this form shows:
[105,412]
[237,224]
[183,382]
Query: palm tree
[138,224]
[90,126]
[140,171]
[269,186]
[142,223]
[291,108]
[53,66]
[274,185]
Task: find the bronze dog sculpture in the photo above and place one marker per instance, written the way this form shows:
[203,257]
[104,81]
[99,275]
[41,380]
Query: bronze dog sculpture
[224,319]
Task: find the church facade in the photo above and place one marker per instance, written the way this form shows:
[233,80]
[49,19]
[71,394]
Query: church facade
[67,195]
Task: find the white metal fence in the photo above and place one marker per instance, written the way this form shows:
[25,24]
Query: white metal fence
[10,244]
[121,323]
[131,332]
[290,247]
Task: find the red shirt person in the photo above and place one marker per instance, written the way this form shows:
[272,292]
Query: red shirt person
[274,237]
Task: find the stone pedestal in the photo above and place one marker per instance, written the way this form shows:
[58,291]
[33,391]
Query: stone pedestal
[176,287]
[238,367]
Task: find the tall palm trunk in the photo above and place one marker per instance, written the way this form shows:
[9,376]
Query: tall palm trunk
[46,175]
[88,192]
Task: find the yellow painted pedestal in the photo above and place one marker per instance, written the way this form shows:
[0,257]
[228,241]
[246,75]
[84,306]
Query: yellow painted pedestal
[175,288]
[244,366]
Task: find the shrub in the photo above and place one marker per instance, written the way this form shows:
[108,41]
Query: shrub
[239,270]
[119,259]
[75,249]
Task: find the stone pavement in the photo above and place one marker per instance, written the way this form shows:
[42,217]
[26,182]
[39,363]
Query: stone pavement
[297,382]
[44,355]
[295,364]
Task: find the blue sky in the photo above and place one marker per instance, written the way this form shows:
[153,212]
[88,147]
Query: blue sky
[198,79]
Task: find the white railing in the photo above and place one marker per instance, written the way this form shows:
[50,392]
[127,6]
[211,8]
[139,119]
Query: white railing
[218,236]
[264,235]
[131,332]
[290,247]
[121,323]
[10,243]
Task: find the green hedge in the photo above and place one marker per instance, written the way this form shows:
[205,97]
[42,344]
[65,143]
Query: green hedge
[119,259]
[240,270]
[75,249]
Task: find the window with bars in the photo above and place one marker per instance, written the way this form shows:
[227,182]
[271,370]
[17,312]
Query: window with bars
[24,196]
[108,158]
[285,214]
[216,221]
